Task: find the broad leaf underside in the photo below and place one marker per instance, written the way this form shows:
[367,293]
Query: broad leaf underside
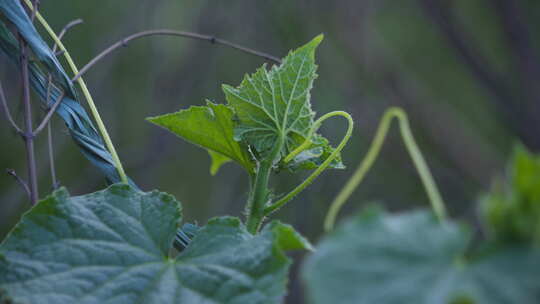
[112,247]
[275,103]
[411,258]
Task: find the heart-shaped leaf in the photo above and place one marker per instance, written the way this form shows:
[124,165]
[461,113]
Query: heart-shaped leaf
[113,246]
[412,258]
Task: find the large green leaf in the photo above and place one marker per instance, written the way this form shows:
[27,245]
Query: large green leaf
[275,103]
[210,127]
[412,258]
[113,247]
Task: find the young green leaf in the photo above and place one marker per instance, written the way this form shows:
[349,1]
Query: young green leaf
[413,258]
[112,247]
[218,160]
[274,105]
[211,127]
[313,157]
[512,209]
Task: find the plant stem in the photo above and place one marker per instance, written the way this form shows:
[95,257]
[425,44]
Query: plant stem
[86,92]
[49,115]
[259,194]
[65,29]
[28,132]
[275,206]
[50,148]
[19,180]
[427,179]
[7,112]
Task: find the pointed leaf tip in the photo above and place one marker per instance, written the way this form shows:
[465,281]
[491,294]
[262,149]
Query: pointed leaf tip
[317,40]
[288,238]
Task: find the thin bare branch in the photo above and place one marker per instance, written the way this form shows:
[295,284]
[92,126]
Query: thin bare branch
[46,120]
[36,7]
[167,32]
[19,180]
[6,110]
[52,166]
[28,136]
[64,30]
[49,115]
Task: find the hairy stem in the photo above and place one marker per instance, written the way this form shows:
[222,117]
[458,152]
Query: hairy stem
[425,175]
[275,206]
[86,92]
[259,195]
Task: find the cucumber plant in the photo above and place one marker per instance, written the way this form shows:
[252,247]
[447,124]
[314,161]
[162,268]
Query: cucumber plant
[267,125]
[116,245]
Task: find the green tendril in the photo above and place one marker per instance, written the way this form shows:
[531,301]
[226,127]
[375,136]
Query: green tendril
[277,205]
[425,175]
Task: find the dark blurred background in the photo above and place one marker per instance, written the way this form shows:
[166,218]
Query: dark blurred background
[466,71]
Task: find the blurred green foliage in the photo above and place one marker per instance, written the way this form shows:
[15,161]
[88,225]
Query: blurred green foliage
[512,208]
[411,257]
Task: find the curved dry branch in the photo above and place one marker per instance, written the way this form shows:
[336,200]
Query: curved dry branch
[166,32]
